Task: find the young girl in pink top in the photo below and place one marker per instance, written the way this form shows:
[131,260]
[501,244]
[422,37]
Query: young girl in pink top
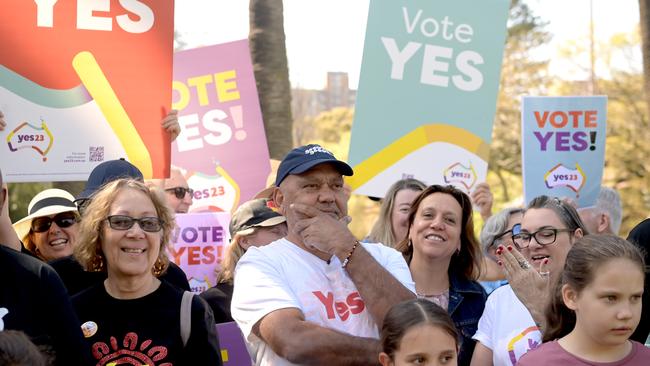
[595,307]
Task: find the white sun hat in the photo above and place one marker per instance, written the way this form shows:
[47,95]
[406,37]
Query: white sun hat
[48,202]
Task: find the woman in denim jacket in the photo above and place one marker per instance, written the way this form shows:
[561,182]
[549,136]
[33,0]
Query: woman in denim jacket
[444,258]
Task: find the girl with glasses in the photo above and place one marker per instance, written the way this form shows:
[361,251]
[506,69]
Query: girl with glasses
[595,307]
[510,325]
[49,231]
[133,317]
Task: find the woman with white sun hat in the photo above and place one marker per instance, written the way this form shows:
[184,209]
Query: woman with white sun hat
[49,230]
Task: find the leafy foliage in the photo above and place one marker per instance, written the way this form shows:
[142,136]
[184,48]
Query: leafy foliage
[522,72]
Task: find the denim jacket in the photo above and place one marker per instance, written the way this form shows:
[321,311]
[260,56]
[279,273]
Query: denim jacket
[466,303]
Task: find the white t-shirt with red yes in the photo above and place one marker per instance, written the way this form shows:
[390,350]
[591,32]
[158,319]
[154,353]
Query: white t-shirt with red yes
[282,275]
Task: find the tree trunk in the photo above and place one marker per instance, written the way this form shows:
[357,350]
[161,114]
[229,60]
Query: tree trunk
[504,186]
[269,54]
[644,20]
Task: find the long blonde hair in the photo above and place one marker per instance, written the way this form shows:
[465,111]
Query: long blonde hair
[230,259]
[382,230]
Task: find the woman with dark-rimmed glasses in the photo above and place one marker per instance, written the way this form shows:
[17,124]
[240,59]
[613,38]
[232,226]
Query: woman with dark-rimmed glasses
[513,315]
[133,317]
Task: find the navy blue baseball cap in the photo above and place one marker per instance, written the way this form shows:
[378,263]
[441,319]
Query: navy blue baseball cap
[107,172]
[303,158]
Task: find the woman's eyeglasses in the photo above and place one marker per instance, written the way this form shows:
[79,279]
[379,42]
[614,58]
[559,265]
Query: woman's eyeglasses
[62,220]
[516,229]
[545,236]
[180,192]
[123,222]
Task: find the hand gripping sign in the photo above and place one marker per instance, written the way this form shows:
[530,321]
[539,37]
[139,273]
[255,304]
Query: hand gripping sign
[82,82]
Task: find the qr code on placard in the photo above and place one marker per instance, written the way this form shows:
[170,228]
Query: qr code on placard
[96,153]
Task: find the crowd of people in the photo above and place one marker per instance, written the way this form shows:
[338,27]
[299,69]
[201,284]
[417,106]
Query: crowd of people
[87,280]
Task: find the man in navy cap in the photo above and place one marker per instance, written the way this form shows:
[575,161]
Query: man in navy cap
[317,295]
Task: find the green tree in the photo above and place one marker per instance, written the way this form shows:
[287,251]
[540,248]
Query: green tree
[522,72]
[644,21]
[269,55]
[626,163]
[19,196]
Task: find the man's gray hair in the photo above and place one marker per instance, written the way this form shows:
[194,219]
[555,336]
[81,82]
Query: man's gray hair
[609,202]
[496,225]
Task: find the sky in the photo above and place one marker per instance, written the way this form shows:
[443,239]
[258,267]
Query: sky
[327,35]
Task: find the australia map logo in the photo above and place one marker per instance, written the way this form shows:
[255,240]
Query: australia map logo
[460,175]
[28,136]
[562,176]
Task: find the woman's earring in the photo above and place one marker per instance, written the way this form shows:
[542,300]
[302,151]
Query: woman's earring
[158,267]
[97,265]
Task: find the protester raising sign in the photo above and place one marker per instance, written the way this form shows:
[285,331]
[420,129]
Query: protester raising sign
[427,92]
[198,245]
[563,147]
[222,144]
[82,82]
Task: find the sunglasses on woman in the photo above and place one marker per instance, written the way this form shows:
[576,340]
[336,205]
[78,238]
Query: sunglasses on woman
[180,192]
[123,222]
[62,220]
